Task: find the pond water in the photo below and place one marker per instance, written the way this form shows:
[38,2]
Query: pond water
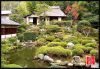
[24,57]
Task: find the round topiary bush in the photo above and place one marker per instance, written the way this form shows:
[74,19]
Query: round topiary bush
[50,38]
[77,52]
[57,40]
[95,53]
[84,42]
[52,28]
[29,36]
[63,44]
[93,45]
[82,24]
[58,51]
[61,23]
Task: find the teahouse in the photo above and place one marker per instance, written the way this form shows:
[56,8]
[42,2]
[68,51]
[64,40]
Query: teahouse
[8,27]
[55,13]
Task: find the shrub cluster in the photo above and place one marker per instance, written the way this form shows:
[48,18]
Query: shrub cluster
[63,44]
[50,38]
[62,23]
[58,50]
[52,28]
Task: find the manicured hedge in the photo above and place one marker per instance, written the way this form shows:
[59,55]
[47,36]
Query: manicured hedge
[29,36]
[58,50]
[63,44]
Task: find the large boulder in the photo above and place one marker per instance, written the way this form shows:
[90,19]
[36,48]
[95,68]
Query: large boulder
[47,58]
[70,45]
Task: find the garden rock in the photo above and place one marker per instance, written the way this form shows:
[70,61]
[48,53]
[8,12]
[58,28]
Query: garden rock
[70,45]
[47,58]
[70,64]
[76,60]
[96,65]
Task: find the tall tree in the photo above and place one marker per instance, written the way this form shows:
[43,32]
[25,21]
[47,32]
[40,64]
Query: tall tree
[40,11]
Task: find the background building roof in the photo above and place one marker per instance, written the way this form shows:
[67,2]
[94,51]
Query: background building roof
[8,22]
[54,11]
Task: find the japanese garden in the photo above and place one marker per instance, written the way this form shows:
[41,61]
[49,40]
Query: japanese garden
[49,34]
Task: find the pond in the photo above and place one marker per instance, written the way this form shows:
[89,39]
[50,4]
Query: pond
[24,57]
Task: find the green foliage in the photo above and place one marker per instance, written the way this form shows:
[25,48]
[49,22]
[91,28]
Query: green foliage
[41,50]
[59,35]
[93,45]
[62,23]
[22,27]
[11,66]
[31,6]
[88,49]
[58,50]
[52,28]
[20,37]
[81,24]
[35,30]
[50,38]
[5,48]
[29,36]
[95,53]
[57,40]
[94,32]
[86,41]
[72,39]
[63,44]
[39,10]
[12,40]
[41,40]
[77,52]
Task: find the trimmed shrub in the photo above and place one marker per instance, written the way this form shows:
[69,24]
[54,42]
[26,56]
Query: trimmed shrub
[86,41]
[58,50]
[77,52]
[11,66]
[41,40]
[95,53]
[62,23]
[94,32]
[42,50]
[82,24]
[35,30]
[79,46]
[29,36]
[20,37]
[59,35]
[50,38]
[93,45]
[88,49]
[52,28]
[5,48]
[69,52]
[72,39]
[63,44]
[12,40]
[57,40]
